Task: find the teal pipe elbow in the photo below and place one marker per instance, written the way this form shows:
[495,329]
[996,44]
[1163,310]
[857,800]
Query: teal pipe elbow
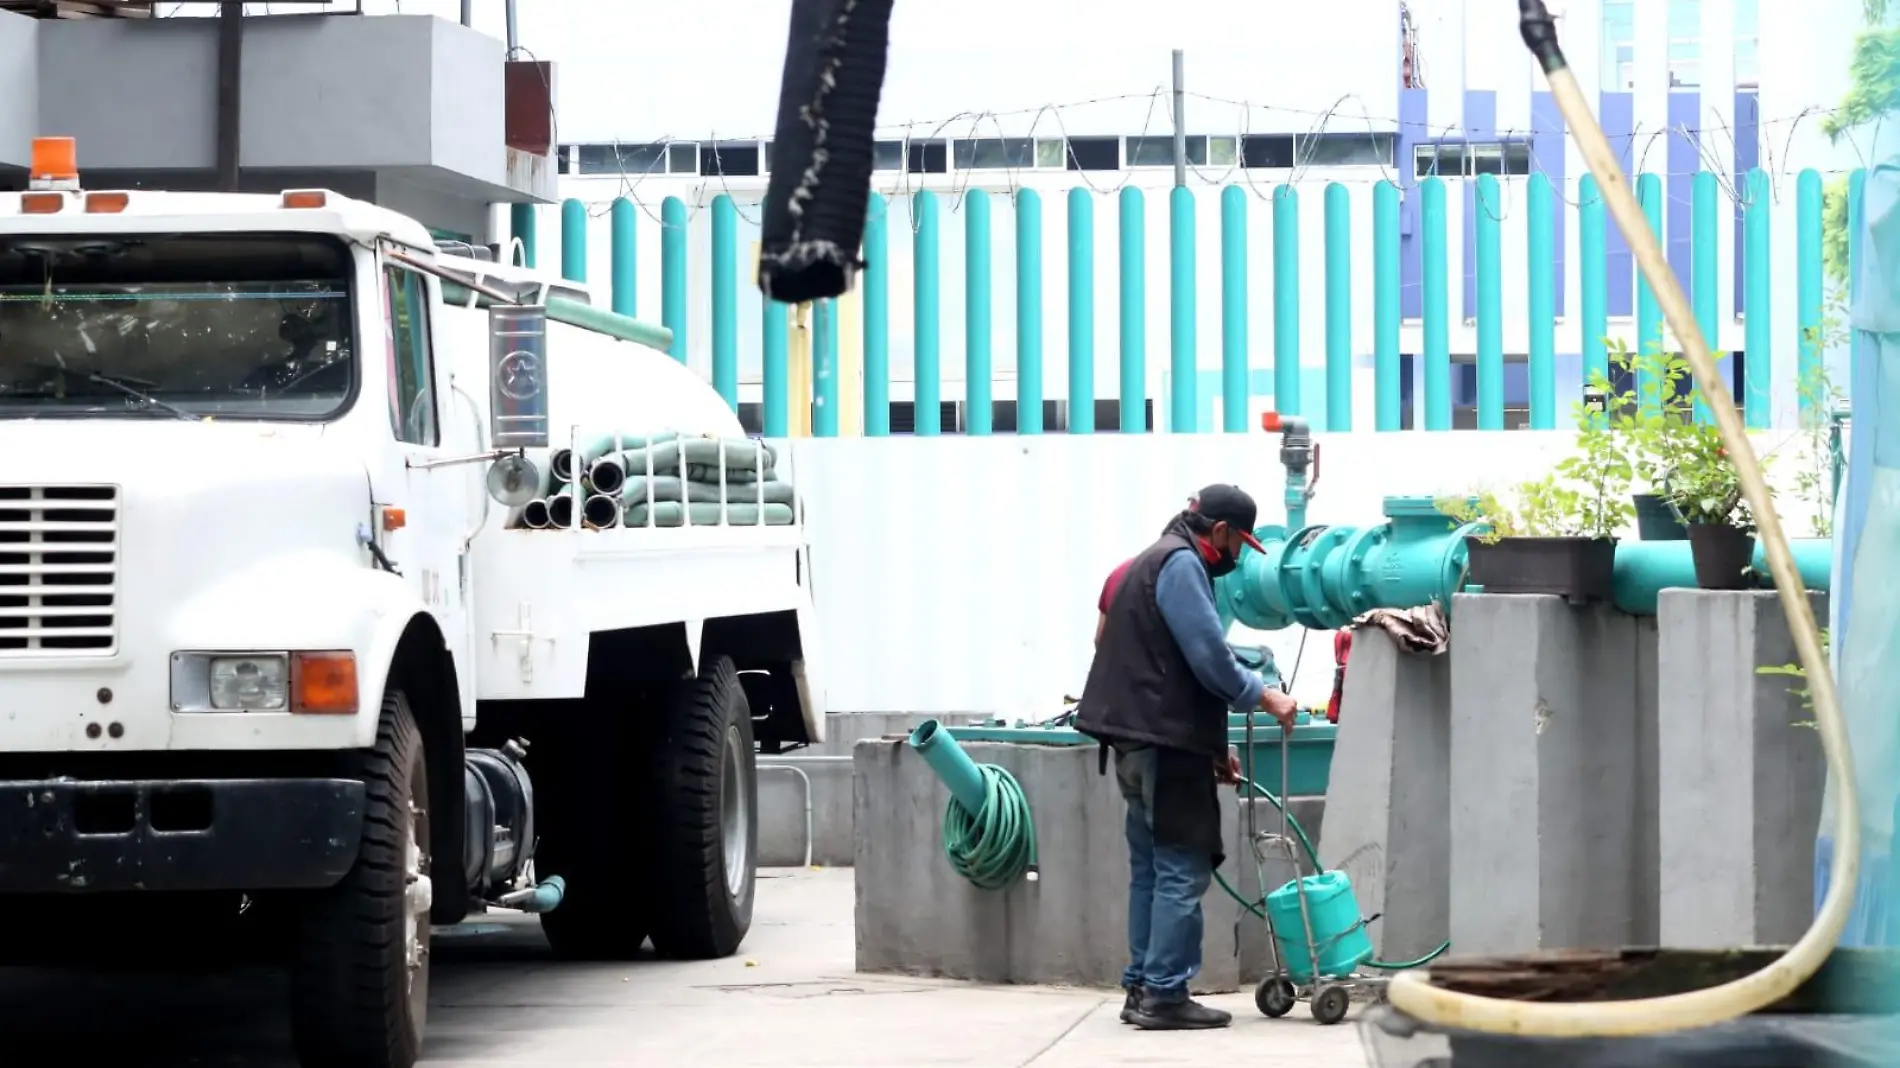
[953,767]
[1646,568]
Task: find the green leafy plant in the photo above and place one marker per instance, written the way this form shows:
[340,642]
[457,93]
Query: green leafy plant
[1796,671]
[1814,481]
[1702,482]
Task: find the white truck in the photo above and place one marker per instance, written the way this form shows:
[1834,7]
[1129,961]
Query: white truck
[275,660]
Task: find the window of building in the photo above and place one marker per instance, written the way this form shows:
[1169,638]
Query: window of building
[993,153]
[1095,154]
[412,404]
[1456,159]
[928,157]
[738,159]
[1202,151]
[1345,150]
[1267,151]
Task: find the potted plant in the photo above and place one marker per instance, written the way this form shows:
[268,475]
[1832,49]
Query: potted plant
[1560,536]
[1651,433]
[1705,490]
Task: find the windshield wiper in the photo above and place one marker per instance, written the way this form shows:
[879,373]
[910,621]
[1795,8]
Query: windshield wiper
[127,386]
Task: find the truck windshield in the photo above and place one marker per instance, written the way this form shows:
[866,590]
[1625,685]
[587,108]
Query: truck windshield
[230,325]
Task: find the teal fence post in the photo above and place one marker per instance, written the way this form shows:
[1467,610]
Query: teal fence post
[1081,312]
[1235,388]
[1810,355]
[1649,321]
[1856,189]
[877,318]
[928,384]
[673,273]
[1437,304]
[824,369]
[1134,314]
[1338,223]
[1704,281]
[1386,305]
[725,299]
[1490,278]
[1286,300]
[775,389]
[1758,322]
[573,240]
[1184,393]
[522,223]
[1028,312]
[1593,274]
[623,263]
[978,398]
[1541,300]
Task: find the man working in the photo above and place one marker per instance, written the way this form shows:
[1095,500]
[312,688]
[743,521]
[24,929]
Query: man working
[1158,693]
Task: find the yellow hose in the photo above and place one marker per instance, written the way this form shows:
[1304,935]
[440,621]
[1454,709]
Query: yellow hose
[1412,992]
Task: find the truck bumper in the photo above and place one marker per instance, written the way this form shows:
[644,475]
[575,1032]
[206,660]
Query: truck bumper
[76,836]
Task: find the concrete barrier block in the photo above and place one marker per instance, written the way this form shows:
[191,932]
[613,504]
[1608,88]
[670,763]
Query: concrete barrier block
[1547,797]
[1741,779]
[915,916]
[1388,803]
[827,768]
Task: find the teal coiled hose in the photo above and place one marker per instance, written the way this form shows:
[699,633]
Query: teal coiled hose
[995,846]
[1258,908]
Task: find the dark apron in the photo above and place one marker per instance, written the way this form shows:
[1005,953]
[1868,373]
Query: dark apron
[1186,808]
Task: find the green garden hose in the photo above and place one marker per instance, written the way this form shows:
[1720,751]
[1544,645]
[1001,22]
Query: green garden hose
[997,845]
[1258,908]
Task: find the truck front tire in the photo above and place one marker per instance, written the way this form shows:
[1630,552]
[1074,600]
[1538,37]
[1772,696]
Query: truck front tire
[360,966]
[706,817]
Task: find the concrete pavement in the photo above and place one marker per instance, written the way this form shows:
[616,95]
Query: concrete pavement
[791,1000]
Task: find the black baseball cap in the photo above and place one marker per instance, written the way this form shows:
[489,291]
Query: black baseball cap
[1231,505]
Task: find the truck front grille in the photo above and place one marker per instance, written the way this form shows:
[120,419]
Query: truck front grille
[59,563]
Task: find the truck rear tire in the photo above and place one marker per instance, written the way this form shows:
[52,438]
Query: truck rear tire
[360,966]
[706,817]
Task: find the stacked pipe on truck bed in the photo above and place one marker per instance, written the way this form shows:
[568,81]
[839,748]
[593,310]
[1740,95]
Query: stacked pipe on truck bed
[604,481]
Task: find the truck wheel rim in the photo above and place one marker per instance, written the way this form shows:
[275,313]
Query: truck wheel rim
[418,895]
[734,816]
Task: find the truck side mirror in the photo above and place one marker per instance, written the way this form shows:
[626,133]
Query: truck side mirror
[517,376]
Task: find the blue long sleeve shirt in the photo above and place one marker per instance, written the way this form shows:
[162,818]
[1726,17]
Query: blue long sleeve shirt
[1185,596]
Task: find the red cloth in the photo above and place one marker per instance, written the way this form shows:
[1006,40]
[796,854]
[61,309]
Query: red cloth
[1342,650]
[1114,583]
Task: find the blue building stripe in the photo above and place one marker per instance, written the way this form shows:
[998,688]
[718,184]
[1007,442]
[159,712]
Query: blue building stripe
[1747,157]
[1685,112]
[1618,112]
[1547,155]
[1414,118]
[1481,126]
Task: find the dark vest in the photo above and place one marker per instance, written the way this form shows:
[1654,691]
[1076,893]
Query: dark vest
[1141,690]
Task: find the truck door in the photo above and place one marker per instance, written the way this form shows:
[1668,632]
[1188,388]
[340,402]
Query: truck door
[423,412]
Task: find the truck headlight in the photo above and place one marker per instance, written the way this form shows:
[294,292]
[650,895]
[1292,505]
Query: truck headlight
[249,683]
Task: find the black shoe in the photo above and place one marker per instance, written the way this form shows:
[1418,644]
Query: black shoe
[1131,1004]
[1183,1015]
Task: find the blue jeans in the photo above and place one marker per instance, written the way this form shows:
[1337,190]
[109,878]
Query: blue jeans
[1165,887]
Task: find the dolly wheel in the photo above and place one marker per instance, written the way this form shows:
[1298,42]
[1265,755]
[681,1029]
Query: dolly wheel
[1273,997]
[1331,1003]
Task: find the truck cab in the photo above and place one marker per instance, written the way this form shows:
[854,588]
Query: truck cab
[289,652]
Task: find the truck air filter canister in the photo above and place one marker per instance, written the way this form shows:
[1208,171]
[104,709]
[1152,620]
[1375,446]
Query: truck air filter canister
[822,153]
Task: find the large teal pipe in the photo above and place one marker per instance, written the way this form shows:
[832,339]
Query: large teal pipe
[824,369]
[951,764]
[926,322]
[522,220]
[1490,302]
[573,240]
[1386,307]
[1646,568]
[673,272]
[1704,282]
[1134,314]
[1808,277]
[1649,320]
[1234,387]
[725,300]
[1081,312]
[1437,305]
[1338,224]
[1184,393]
[1541,262]
[1758,324]
[622,261]
[1593,276]
[877,318]
[979,408]
[1286,300]
[775,337]
[1029,390]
